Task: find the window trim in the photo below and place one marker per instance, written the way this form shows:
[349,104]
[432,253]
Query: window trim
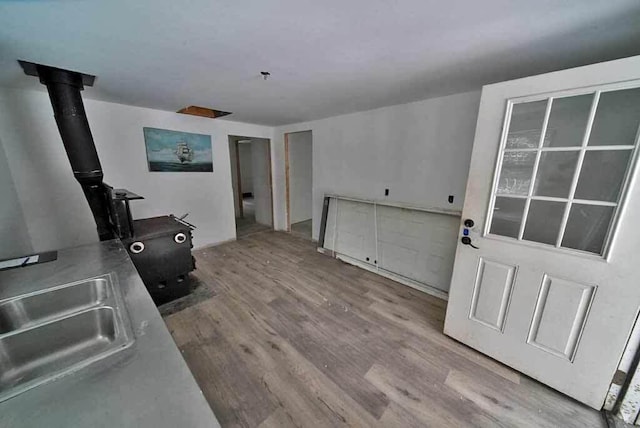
[628,180]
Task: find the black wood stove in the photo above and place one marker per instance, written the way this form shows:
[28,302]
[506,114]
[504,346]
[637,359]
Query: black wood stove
[160,247]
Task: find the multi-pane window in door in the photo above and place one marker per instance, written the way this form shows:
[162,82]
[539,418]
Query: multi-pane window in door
[562,168]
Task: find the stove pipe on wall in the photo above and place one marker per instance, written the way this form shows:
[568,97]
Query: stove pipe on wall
[64,88]
[160,247]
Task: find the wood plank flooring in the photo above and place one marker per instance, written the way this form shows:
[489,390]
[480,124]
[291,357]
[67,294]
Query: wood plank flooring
[247,225]
[302,229]
[294,338]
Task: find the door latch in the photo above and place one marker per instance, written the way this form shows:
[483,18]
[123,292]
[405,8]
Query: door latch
[467,241]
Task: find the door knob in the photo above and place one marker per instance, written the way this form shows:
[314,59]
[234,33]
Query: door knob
[467,241]
[469,223]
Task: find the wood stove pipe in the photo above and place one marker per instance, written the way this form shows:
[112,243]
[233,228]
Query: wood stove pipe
[64,88]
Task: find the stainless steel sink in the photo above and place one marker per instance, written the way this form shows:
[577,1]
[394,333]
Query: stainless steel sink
[29,309]
[53,332]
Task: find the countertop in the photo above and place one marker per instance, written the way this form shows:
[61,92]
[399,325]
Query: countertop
[146,385]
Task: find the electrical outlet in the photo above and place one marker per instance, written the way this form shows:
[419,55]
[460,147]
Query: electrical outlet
[386,192]
[450,199]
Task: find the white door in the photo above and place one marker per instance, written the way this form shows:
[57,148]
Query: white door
[553,288]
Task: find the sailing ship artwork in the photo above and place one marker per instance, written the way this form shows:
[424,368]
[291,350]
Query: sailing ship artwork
[175,151]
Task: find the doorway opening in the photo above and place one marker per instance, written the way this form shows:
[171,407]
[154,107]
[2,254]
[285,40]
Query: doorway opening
[298,148]
[252,184]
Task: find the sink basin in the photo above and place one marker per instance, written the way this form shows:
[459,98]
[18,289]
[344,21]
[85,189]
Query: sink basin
[40,306]
[54,332]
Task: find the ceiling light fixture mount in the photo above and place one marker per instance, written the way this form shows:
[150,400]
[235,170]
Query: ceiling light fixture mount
[265,74]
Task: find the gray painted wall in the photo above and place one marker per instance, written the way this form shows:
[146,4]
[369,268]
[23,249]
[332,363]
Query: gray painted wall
[234,175]
[246,170]
[261,180]
[15,240]
[300,176]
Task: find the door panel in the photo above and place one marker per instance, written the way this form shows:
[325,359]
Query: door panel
[492,293]
[560,315]
[355,230]
[409,243]
[416,244]
[552,290]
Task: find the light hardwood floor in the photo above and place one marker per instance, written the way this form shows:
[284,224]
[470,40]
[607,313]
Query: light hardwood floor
[302,229]
[295,338]
[247,225]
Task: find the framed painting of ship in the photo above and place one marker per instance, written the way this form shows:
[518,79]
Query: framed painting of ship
[175,151]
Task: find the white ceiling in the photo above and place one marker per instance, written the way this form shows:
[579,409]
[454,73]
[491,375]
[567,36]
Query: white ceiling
[326,57]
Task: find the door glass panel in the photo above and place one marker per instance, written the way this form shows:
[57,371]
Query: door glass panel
[507,216]
[526,125]
[602,174]
[555,173]
[587,227]
[536,179]
[515,176]
[617,118]
[568,121]
[543,221]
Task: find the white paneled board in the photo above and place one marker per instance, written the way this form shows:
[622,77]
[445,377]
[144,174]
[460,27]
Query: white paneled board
[414,246]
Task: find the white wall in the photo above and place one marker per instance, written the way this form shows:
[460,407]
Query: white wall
[419,151]
[13,229]
[246,174]
[233,162]
[261,180]
[300,176]
[54,208]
